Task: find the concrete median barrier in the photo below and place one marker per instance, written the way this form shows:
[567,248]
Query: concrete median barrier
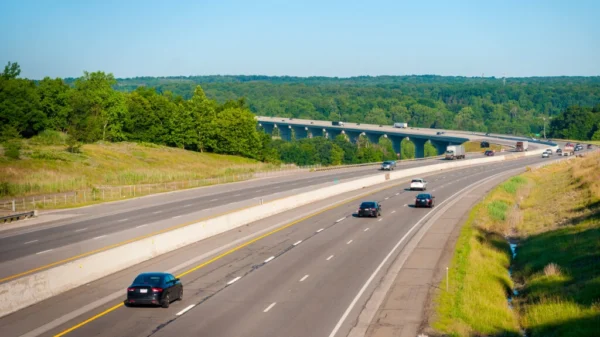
[30,289]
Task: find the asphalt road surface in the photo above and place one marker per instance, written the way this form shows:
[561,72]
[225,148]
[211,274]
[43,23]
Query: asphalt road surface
[297,280]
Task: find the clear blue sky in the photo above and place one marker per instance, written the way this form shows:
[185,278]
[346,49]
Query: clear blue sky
[62,38]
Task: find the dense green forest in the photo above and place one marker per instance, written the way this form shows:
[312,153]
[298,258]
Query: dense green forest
[216,113]
[511,106]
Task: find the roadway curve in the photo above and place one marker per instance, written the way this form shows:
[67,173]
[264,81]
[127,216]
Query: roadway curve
[302,291]
[91,228]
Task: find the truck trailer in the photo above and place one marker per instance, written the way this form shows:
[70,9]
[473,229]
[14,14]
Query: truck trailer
[522,146]
[455,152]
[401,125]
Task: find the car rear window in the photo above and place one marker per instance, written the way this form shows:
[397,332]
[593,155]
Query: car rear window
[387,163]
[423,196]
[367,205]
[153,280]
[417,181]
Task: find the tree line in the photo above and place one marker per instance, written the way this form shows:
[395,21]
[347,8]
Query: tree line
[509,106]
[89,109]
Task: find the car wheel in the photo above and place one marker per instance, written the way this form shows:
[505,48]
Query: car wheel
[180,297]
[166,301]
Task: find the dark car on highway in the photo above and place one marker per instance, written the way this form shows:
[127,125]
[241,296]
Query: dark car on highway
[369,208]
[589,146]
[424,200]
[154,289]
[489,153]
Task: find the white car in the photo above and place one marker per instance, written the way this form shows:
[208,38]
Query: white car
[418,184]
[545,155]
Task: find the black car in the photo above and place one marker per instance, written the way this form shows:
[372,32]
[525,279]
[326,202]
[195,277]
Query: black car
[424,199]
[484,145]
[489,153]
[589,146]
[369,208]
[155,289]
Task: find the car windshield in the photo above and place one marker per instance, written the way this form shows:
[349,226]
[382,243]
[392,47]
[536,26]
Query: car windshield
[367,205]
[152,280]
[387,163]
[423,196]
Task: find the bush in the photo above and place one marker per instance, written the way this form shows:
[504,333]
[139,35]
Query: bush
[50,137]
[73,145]
[12,148]
[497,210]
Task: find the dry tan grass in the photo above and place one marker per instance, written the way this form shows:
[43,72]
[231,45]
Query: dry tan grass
[552,269]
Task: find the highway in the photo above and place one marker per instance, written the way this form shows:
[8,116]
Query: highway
[298,278]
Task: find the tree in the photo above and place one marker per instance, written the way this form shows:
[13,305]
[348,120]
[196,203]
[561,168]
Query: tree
[54,101]
[430,150]
[235,133]
[574,123]
[20,107]
[407,149]
[11,71]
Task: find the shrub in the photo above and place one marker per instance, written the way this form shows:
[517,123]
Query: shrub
[73,145]
[50,137]
[12,148]
[497,210]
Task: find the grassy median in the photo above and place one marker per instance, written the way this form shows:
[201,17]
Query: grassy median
[553,215]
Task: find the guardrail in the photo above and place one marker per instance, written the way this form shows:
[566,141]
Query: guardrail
[17,216]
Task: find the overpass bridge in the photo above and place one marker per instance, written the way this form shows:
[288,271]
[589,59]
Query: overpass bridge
[303,128]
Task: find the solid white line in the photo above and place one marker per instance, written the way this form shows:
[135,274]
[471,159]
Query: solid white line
[177,216]
[81,229]
[329,258]
[185,310]
[45,251]
[122,220]
[140,226]
[387,198]
[405,205]
[237,195]
[99,237]
[432,190]
[235,279]
[370,279]
[269,259]
[188,205]
[270,306]
[297,243]
[349,242]
[156,212]
[398,193]
[366,229]
[32,241]
[258,191]
[342,219]
[304,278]
[320,230]
[393,212]
[213,199]
[380,219]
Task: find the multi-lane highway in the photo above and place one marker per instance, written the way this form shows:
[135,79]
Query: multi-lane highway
[298,278]
[25,249]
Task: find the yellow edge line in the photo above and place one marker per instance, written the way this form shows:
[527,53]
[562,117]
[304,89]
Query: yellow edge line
[204,264]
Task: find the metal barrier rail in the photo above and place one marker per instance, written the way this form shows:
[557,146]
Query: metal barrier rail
[17,216]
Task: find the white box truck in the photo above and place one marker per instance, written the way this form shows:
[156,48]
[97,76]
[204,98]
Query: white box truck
[455,152]
[401,125]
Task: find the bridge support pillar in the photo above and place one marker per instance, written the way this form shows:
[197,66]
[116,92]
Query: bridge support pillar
[396,143]
[373,137]
[353,136]
[300,132]
[286,133]
[419,146]
[268,128]
[440,146]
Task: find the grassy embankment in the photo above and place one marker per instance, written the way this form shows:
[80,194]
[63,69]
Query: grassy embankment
[554,215]
[49,168]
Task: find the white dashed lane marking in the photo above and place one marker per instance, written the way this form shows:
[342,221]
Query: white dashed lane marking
[45,251]
[297,242]
[32,241]
[270,307]
[235,279]
[185,310]
[304,278]
[330,257]
[269,259]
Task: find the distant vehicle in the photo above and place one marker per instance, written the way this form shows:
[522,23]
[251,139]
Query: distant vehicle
[549,151]
[568,150]
[545,155]
[490,153]
[418,184]
[559,151]
[389,165]
[337,123]
[155,289]
[455,152]
[369,208]
[424,200]
[440,133]
[522,146]
[401,125]
[589,146]
[487,134]
[484,144]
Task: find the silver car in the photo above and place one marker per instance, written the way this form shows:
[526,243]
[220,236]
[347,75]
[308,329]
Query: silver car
[388,165]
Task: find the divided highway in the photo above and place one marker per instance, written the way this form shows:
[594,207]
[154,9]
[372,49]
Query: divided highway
[24,249]
[298,278]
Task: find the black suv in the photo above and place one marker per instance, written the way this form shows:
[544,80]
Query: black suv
[424,199]
[369,208]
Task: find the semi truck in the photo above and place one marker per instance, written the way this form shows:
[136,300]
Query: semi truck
[522,146]
[455,152]
[340,123]
[568,150]
[401,125]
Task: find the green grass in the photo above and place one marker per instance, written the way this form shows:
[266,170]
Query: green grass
[557,265]
[46,167]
